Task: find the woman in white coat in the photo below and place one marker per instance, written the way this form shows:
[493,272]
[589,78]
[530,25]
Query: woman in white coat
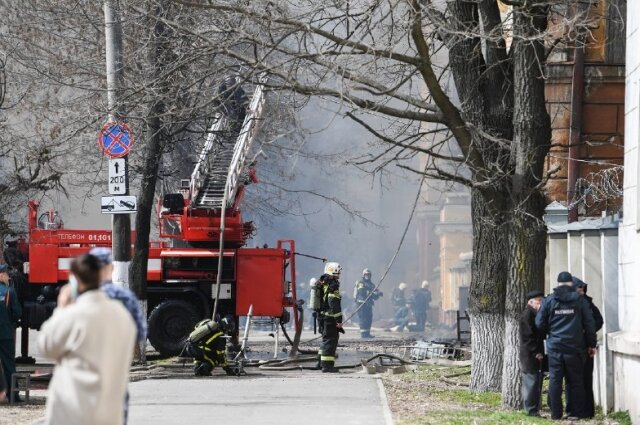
[91,339]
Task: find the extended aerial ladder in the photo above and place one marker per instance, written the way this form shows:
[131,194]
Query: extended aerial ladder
[219,163]
[219,177]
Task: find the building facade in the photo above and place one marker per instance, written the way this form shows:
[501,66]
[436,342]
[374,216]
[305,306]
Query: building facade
[625,344]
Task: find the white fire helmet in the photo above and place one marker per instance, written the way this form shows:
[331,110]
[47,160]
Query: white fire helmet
[333,269]
[425,284]
[366,272]
[402,286]
[312,281]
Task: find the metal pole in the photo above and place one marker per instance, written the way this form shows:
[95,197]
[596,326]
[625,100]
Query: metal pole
[575,128]
[223,215]
[121,223]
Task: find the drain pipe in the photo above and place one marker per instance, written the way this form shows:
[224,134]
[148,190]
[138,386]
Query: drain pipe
[575,128]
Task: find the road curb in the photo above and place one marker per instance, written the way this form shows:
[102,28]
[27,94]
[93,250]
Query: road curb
[388,418]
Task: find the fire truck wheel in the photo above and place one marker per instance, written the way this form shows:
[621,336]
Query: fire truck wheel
[170,324]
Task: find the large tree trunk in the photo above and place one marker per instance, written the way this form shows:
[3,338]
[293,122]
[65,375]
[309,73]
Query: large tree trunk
[486,309]
[152,157]
[485,93]
[527,232]
[527,252]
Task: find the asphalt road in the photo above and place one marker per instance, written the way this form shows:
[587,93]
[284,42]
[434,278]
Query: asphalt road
[308,398]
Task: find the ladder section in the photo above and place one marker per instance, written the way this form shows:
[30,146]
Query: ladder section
[245,141]
[200,174]
[222,160]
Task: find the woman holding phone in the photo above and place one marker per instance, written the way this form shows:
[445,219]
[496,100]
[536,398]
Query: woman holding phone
[90,337]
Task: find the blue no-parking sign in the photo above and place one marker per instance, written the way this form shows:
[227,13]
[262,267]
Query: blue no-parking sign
[115,139]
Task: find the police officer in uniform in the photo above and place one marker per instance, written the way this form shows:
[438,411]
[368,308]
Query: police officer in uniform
[365,294]
[567,321]
[331,316]
[10,312]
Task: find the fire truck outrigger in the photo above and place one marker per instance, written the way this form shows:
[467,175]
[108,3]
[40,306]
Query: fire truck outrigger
[182,269]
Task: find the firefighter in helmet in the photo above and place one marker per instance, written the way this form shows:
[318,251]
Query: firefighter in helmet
[330,316]
[206,344]
[365,294]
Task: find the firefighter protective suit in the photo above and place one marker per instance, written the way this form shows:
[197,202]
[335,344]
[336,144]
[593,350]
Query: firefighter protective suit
[365,294]
[208,348]
[331,322]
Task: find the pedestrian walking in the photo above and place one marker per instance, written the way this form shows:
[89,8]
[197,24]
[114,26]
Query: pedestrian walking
[567,321]
[365,294]
[330,316]
[531,354]
[10,312]
[589,405]
[91,339]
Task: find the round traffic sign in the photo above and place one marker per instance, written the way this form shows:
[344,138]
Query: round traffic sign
[115,139]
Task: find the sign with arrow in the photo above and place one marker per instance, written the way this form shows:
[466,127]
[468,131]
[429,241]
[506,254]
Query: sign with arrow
[118,176]
[118,205]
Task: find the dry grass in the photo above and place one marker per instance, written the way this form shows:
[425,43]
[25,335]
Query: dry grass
[422,397]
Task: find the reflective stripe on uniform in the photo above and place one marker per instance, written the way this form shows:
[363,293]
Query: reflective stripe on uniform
[213,337]
[328,358]
[333,295]
[332,315]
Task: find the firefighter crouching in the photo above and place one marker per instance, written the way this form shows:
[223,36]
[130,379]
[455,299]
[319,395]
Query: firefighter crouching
[206,344]
[329,315]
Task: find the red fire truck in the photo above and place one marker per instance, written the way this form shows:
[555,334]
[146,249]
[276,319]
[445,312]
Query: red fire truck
[183,267]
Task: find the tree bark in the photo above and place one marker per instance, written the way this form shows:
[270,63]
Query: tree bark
[527,252]
[485,91]
[486,309]
[152,157]
[527,231]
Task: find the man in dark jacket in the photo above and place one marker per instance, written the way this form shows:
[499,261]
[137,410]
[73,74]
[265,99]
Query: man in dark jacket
[568,323]
[589,405]
[10,312]
[531,354]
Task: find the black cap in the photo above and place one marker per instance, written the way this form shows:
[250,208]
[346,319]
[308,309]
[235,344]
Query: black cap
[534,294]
[564,277]
[577,283]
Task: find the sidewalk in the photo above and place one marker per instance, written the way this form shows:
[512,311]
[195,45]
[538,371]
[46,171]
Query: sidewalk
[309,398]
